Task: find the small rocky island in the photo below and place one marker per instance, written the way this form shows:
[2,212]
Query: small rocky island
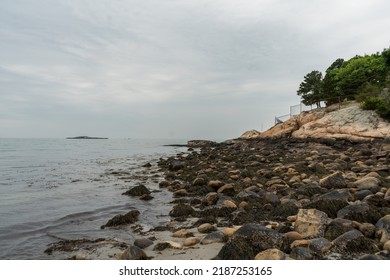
[86,137]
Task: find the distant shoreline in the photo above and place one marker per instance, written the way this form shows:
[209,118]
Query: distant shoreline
[86,137]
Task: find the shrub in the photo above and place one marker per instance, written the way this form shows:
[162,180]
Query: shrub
[372,103]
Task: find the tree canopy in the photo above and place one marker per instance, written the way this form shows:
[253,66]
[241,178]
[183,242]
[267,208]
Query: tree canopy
[360,77]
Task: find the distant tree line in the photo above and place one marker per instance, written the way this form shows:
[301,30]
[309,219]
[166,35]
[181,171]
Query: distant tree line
[362,78]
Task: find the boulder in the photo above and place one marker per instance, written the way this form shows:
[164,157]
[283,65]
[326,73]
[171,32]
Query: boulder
[118,220]
[182,210]
[384,223]
[361,212]
[176,165]
[333,181]
[368,183]
[337,227]
[214,237]
[354,242]
[320,246]
[137,191]
[302,253]
[133,253]
[311,223]
[248,240]
[331,202]
[143,243]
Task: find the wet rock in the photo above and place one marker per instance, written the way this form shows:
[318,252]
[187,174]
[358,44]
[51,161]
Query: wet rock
[229,203]
[137,191]
[191,241]
[368,183]
[227,189]
[360,212]
[271,254]
[367,229]
[320,246]
[146,197]
[239,249]
[300,243]
[311,223]
[133,253]
[353,242]
[331,202]
[161,246]
[291,236]
[206,228]
[386,246]
[375,200]
[176,165]
[182,210]
[182,233]
[215,184]
[164,184]
[360,195]
[333,181]
[384,223]
[199,181]
[230,231]
[260,237]
[143,243]
[302,253]
[387,194]
[311,189]
[214,237]
[180,193]
[337,227]
[369,257]
[118,220]
[210,199]
[281,212]
[271,198]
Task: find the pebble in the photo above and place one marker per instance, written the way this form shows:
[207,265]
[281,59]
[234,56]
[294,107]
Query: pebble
[143,243]
[229,204]
[182,233]
[206,228]
[230,231]
[271,254]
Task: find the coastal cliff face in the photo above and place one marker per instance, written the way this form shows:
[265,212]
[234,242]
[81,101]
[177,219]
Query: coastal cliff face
[347,122]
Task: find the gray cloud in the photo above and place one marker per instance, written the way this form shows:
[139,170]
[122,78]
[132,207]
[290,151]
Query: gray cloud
[185,69]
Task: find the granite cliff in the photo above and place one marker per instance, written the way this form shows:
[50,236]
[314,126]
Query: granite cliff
[347,121]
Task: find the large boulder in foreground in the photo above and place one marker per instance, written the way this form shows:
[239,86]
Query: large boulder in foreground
[311,223]
[249,240]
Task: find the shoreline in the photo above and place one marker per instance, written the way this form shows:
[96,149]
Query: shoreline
[308,198]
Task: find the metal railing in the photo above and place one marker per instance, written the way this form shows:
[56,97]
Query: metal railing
[294,111]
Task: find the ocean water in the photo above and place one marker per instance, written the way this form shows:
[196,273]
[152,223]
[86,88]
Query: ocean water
[54,189]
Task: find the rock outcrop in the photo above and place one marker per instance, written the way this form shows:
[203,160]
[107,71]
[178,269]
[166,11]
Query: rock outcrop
[347,121]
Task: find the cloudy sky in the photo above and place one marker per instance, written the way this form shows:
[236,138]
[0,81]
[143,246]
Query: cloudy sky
[207,69]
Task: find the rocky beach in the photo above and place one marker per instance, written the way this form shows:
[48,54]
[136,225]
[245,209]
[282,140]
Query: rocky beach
[274,197]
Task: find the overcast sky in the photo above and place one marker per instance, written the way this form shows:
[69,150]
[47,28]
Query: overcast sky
[195,69]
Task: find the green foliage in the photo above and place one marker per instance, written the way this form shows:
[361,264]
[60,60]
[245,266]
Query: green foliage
[361,78]
[310,88]
[371,103]
[379,105]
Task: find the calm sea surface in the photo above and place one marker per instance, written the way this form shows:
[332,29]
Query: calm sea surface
[53,189]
